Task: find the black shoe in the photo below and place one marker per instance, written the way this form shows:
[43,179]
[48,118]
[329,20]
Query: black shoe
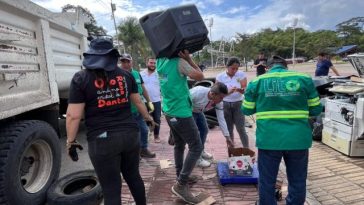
[146,153]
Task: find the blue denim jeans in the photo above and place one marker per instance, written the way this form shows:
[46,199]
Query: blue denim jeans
[143,127]
[156,114]
[296,162]
[201,123]
[184,132]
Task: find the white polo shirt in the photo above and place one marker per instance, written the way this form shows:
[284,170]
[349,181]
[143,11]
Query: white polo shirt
[231,82]
[151,83]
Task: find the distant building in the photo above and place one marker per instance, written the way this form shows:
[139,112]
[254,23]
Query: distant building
[297,60]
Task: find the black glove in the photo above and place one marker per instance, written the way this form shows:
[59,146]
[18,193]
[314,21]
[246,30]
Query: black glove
[72,149]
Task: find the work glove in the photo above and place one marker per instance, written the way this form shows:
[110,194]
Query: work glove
[72,149]
[150,107]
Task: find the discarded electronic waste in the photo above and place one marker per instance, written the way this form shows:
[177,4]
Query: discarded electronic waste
[240,167]
[343,123]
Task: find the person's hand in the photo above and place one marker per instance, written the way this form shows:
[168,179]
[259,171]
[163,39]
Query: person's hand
[229,142]
[232,90]
[185,54]
[240,90]
[72,149]
[150,107]
[150,123]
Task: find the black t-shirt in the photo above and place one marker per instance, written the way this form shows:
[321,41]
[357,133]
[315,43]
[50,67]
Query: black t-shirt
[107,104]
[261,68]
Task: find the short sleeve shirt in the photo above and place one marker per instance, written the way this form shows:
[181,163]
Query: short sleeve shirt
[323,68]
[151,83]
[261,69]
[231,82]
[107,100]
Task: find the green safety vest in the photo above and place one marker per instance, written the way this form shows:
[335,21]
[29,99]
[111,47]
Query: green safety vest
[282,101]
[174,89]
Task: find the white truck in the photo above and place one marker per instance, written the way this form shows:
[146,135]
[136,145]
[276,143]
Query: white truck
[39,53]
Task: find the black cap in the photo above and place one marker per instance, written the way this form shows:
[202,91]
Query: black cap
[126,56]
[276,60]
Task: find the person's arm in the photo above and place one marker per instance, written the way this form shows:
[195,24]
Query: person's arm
[149,102]
[314,104]
[334,70]
[256,64]
[76,105]
[135,99]
[222,123]
[221,119]
[248,107]
[145,93]
[73,117]
[243,84]
[190,69]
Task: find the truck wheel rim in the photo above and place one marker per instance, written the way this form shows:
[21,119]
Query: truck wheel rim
[36,166]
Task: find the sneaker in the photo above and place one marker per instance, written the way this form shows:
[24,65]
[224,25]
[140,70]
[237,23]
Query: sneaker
[203,163]
[206,155]
[183,192]
[146,153]
[192,179]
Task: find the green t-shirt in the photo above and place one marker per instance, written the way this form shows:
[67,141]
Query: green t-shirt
[174,89]
[139,82]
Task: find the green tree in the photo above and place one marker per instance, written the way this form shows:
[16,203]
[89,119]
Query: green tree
[280,42]
[92,27]
[134,40]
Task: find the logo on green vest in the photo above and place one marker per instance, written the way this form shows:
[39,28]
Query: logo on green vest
[293,85]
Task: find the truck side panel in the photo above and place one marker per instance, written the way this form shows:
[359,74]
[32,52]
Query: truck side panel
[39,53]
[23,74]
[66,51]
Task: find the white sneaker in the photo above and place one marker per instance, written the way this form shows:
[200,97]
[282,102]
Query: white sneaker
[206,155]
[203,163]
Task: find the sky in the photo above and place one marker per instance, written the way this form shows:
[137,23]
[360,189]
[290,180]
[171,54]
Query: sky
[229,16]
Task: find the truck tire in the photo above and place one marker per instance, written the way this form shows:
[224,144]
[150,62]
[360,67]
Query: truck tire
[30,161]
[80,188]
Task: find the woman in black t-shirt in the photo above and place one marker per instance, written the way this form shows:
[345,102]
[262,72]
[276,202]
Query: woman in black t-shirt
[102,93]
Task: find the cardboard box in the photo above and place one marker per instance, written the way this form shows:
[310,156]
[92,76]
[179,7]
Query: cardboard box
[240,151]
[241,161]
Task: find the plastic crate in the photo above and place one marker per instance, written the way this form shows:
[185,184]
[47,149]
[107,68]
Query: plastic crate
[225,177]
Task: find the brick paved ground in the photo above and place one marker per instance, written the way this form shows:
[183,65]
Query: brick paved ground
[333,178]
[159,181]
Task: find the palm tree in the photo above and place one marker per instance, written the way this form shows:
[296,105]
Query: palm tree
[132,35]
